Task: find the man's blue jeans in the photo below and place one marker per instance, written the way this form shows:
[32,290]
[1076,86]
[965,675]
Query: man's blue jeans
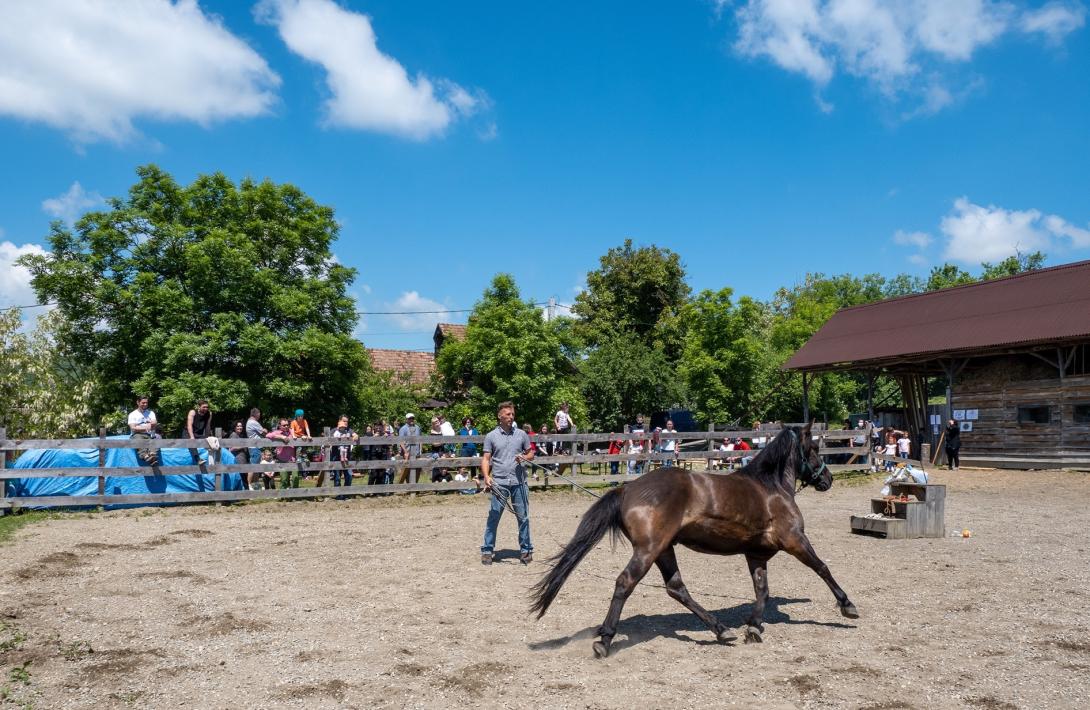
[520,501]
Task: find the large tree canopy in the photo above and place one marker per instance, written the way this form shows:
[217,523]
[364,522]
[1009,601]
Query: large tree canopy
[634,290]
[509,353]
[213,290]
[624,377]
[726,362]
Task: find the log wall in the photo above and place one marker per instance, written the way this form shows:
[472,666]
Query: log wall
[998,386]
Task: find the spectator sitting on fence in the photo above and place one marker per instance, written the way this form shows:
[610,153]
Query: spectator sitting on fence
[300,427]
[289,478]
[142,423]
[198,425]
[564,424]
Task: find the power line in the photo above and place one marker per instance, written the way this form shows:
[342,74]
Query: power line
[35,305]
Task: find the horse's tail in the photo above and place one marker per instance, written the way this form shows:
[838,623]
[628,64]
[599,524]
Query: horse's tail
[604,516]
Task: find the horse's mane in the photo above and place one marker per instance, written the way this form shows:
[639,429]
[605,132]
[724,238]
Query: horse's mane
[769,464]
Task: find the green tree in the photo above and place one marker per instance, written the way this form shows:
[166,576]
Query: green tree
[45,390]
[946,276]
[389,395]
[1016,264]
[509,353]
[213,290]
[727,361]
[624,377]
[639,291]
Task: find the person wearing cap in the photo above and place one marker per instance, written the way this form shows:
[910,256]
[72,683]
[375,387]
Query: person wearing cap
[408,451]
[506,449]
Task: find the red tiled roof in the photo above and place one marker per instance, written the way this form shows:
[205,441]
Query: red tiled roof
[452,330]
[1047,305]
[419,366]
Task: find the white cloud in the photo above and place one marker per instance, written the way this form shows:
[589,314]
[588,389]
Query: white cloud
[414,320]
[1055,20]
[15,287]
[920,240]
[91,68]
[369,90]
[1080,238]
[72,204]
[976,234]
[888,44]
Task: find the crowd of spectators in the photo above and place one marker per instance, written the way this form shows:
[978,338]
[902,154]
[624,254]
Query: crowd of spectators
[292,436]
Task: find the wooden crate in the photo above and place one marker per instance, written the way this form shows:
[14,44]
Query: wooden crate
[923,515]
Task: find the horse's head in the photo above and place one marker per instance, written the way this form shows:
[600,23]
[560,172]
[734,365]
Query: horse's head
[812,468]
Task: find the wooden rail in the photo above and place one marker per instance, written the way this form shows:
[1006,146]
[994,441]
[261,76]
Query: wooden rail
[579,454]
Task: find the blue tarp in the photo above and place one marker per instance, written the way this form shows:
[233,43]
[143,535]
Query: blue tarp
[115,485]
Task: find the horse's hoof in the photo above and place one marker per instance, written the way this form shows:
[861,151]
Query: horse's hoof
[723,635]
[601,650]
[849,611]
[753,635]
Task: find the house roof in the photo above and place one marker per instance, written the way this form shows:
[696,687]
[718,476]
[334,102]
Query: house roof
[418,365]
[449,330]
[1036,307]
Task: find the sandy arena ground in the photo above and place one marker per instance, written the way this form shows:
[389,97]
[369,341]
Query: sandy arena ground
[383,603]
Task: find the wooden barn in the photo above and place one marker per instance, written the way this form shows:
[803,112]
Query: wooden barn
[1014,354]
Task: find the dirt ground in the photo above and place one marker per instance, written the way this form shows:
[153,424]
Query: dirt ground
[383,603]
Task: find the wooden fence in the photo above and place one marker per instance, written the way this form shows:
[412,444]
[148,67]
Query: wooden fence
[581,451]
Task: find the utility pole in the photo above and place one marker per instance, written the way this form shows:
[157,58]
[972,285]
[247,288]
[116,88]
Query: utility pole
[550,314]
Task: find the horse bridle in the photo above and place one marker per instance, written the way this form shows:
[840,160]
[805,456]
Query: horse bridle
[812,474]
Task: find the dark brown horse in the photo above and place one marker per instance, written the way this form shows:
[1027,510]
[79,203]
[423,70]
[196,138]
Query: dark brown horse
[750,512]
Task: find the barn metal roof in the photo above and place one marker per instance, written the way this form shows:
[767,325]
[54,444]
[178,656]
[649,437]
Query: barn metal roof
[1036,307]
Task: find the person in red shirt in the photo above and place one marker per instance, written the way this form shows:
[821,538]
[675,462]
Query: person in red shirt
[615,447]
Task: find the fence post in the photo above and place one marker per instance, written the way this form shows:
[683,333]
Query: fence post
[4,492]
[574,452]
[711,447]
[101,463]
[214,459]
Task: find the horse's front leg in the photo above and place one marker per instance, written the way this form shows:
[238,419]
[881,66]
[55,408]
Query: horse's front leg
[627,580]
[800,548]
[758,570]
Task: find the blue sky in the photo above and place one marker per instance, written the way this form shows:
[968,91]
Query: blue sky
[760,140]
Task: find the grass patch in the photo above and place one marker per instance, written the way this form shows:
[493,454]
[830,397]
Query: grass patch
[13,521]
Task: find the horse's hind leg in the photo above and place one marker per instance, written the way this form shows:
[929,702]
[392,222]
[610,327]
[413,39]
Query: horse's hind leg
[627,580]
[667,564]
[800,548]
[758,570]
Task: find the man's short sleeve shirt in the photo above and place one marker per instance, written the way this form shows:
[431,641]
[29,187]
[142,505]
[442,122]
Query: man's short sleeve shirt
[504,447]
[138,418]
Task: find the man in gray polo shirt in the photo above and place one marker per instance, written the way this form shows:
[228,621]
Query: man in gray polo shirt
[505,449]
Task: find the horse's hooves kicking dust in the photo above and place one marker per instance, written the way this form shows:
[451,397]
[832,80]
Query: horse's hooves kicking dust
[753,635]
[600,650]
